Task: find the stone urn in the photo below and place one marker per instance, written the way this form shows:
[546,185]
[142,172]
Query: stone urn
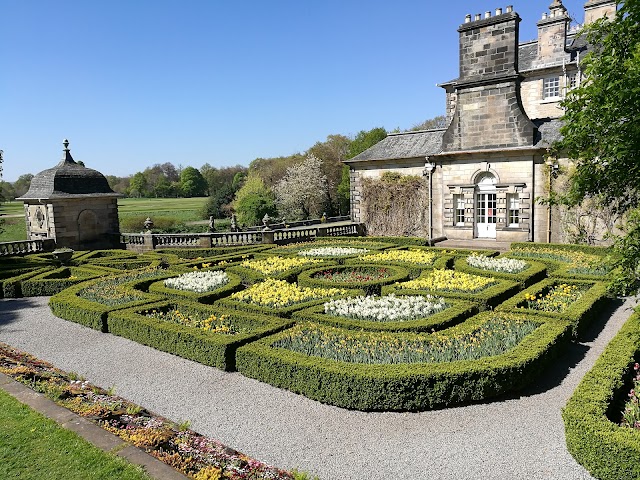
[63,255]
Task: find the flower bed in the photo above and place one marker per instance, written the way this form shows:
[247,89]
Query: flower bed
[533,271]
[486,291]
[573,259]
[367,277]
[279,297]
[409,385]
[192,454]
[205,334]
[576,301]
[282,268]
[416,260]
[332,252]
[54,281]
[233,284]
[605,449]
[382,316]
[199,281]
[88,303]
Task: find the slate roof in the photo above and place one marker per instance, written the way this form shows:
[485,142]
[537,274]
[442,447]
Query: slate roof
[403,145]
[67,180]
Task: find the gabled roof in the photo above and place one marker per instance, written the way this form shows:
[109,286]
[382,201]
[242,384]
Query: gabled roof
[403,145]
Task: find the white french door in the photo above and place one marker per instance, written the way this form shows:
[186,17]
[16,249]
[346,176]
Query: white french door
[485,215]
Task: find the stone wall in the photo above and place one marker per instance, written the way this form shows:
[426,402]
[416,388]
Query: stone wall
[78,223]
[534,105]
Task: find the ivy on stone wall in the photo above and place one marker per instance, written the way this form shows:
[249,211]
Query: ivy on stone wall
[395,205]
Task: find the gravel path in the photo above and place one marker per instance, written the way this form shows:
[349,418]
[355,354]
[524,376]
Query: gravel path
[519,437]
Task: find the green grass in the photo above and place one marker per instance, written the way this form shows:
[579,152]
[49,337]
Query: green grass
[13,229]
[161,205]
[12,208]
[35,447]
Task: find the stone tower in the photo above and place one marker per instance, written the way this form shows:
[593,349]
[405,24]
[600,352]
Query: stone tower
[595,9]
[488,112]
[72,204]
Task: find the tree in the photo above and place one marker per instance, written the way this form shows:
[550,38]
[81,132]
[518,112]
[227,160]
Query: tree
[253,201]
[22,185]
[601,131]
[218,204]
[192,183]
[436,122]
[333,151]
[365,139]
[138,185]
[301,193]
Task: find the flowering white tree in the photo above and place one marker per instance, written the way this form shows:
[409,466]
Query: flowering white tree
[302,192]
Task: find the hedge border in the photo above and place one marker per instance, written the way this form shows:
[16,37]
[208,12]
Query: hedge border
[456,312]
[12,286]
[563,272]
[234,284]
[490,297]
[580,313]
[535,272]
[204,347]
[606,450]
[44,284]
[405,387]
[210,252]
[69,306]
[398,274]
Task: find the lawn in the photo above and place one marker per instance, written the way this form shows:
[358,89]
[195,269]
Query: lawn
[35,447]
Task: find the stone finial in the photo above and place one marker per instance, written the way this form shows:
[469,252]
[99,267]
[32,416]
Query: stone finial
[509,8]
[66,154]
[557,8]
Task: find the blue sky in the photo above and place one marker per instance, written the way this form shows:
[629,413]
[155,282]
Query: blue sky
[133,83]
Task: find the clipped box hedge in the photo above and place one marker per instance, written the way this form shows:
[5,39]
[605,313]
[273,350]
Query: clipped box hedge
[535,272]
[158,287]
[372,287]
[490,297]
[411,386]
[580,313]
[12,285]
[214,349]
[54,281]
[196,253]
[69,305]
[608,451]
[456,312]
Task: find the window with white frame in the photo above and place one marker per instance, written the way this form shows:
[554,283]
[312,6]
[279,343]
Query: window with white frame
[458,205]
[573,80]
[551,87]
[513,210]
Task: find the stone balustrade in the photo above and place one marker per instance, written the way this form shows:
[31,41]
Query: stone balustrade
[24,247]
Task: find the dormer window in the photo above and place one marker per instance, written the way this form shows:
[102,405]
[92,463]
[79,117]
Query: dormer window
[550,88]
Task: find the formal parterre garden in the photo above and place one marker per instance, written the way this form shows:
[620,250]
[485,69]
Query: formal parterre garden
[370,324]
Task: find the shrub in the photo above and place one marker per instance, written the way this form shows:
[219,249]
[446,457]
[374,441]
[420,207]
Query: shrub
[608,451]
[54,281]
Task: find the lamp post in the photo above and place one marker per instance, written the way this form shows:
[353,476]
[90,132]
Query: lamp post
[428,170]
[552,163]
